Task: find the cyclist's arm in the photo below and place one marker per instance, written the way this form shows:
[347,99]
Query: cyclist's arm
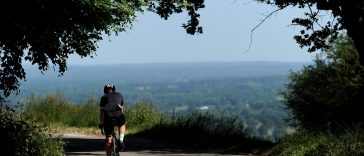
[101,117]
[102,105]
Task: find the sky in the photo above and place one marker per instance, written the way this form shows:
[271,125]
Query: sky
[227,26]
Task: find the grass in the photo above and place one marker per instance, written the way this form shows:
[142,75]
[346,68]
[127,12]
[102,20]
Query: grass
[61,129]
[207,131]
[347,142]
[56,111]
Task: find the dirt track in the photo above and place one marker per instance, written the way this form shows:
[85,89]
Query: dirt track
[93,145]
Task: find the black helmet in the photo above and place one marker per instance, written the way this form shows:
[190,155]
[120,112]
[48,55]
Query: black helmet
[109,86]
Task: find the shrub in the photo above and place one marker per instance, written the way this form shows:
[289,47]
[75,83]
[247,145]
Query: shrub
[142,115]
[328,92]
[22,137]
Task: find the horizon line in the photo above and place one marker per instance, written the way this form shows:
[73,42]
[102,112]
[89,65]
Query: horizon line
[188,62]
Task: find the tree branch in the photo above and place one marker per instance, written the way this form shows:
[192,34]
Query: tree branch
[260,23]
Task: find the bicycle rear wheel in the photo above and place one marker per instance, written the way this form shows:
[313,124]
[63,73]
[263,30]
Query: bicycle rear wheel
[114,149]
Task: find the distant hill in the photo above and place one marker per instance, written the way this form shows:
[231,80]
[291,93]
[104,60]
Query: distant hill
[168,71]
[84,80]
[92,78]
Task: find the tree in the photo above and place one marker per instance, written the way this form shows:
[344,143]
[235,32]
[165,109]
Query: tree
[329,92]
[46,32]
[347,15]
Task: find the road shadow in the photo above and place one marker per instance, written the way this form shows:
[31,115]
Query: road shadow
[83,144]
[75,145]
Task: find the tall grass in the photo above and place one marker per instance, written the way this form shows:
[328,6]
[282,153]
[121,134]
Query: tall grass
[54,109]
[349,142]
[206,130]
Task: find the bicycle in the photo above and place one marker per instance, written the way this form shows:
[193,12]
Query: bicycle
[114,140]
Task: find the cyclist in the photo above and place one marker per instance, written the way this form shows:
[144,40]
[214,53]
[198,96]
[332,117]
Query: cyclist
[112,107]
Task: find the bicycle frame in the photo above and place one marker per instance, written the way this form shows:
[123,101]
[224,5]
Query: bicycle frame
[114,148]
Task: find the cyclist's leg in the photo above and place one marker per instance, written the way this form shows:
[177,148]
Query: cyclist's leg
[122,127]
[122,132]
[108,132]
[108,145]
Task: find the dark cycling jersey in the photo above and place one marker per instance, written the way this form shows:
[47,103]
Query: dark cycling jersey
[110,104]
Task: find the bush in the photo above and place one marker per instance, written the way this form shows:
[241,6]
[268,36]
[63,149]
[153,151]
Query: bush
[22,137]
[329,92]
[142,115]
[313,143]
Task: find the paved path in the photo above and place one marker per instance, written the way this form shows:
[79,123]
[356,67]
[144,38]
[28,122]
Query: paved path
[92,145]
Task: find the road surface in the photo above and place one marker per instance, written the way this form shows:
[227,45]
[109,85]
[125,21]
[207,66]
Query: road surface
[76,145]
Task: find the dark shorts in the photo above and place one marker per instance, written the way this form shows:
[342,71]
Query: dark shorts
[108,121]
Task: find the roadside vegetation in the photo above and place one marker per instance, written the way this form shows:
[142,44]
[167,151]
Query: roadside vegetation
[205,130]
[21,137]
[199,129]
[347,142]
[325,100]
[56,111]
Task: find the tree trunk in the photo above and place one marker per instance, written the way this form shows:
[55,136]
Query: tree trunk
[352,14]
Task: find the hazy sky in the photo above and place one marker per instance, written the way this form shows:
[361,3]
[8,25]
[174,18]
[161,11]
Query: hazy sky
[227,27]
